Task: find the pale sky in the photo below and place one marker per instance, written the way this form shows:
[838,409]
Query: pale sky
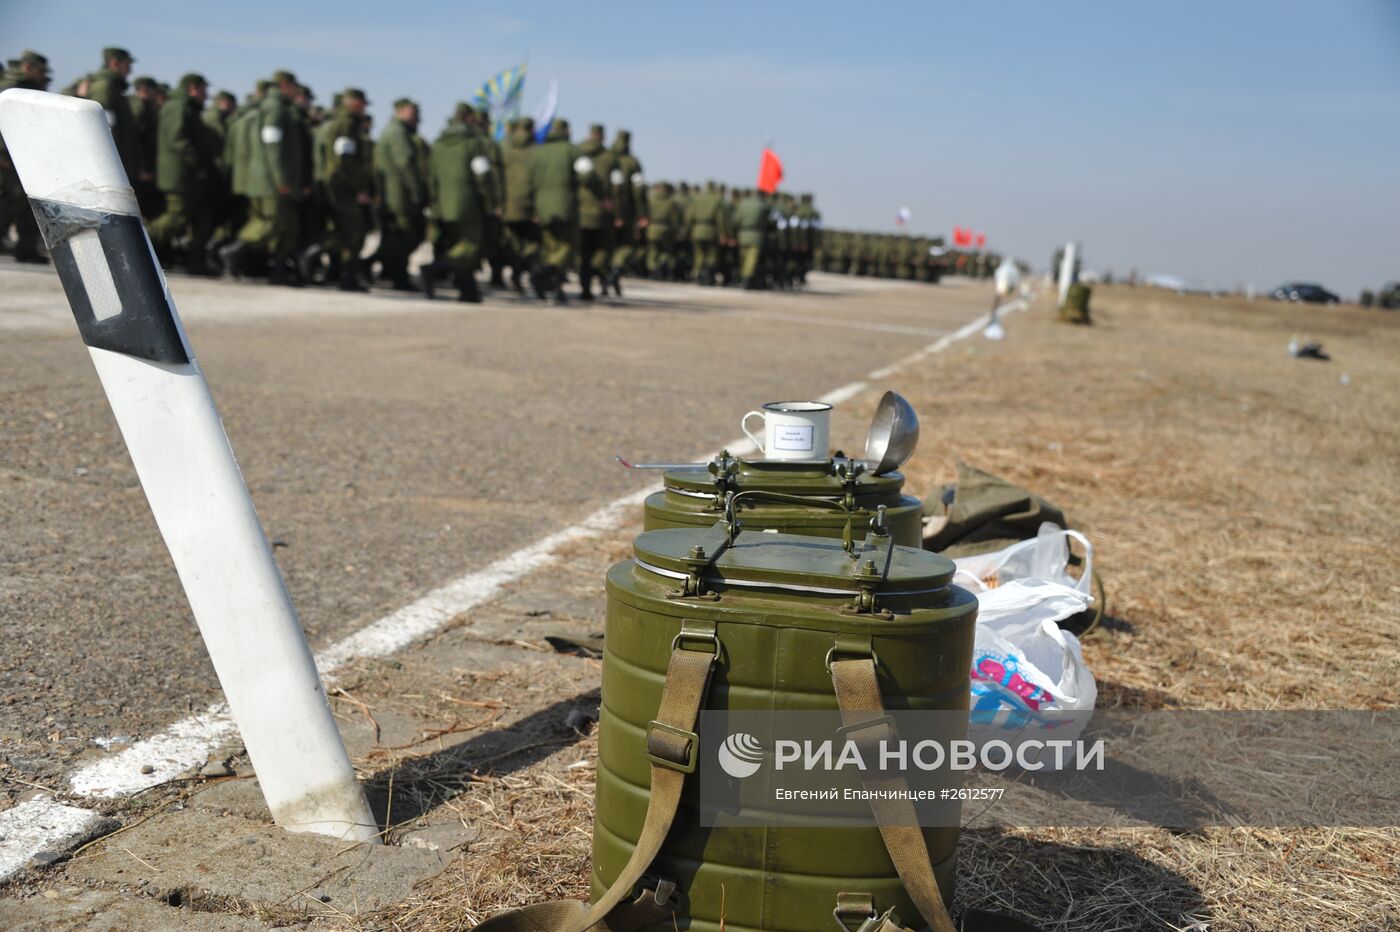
[1226,143]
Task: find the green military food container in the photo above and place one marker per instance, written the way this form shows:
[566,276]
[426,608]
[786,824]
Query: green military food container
[774,608]
[694,497]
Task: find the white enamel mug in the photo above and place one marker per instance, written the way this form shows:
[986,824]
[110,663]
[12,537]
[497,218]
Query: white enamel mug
[792,430]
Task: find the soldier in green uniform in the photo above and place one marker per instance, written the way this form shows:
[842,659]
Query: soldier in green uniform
[240,143]
[522,236]
[594,167]
[216,119]
[311,212]
[345,184]
[458,177]
[663,219]
[752,218]
[400,161]
[275,181]
[494,190]
[553,191]
[29,71]
[705,223]
[809,226]
[186,159]
[629,206]
[108,88]
[145,117]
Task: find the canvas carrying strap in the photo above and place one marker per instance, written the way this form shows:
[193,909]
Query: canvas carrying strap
[866,722]
[672,747]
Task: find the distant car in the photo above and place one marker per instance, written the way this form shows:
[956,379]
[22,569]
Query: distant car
[1305,293]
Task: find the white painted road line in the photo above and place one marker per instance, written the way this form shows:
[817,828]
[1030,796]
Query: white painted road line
[42,824]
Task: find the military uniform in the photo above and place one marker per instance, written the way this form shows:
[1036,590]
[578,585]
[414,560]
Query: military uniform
[663,220]
[705,222]
[594,168]
[521,236]
[108,88]
[458,181]
[274,182]
[345,184]
[185,162]
[629,205]
[29,71]
[401,168]
[145,118]
[494,190]
[552,185]
[752,218]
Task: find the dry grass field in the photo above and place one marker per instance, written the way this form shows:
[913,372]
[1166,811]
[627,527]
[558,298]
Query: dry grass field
[1244,505]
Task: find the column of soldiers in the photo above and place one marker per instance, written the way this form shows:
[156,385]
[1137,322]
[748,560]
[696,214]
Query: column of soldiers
[279,188]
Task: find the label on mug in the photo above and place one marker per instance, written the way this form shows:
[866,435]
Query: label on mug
[793,437]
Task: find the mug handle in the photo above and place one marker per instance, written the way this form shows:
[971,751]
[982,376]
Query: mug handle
[744,426]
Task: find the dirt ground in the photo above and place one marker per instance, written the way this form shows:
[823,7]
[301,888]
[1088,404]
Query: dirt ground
[1243,504]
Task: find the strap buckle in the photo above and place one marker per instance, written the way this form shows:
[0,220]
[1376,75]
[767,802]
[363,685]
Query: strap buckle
[659,750]
[886,721]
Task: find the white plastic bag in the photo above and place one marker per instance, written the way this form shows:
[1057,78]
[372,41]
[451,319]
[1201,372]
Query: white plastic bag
[1023,664]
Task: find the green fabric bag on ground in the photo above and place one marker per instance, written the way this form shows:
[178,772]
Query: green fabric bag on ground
[981,512]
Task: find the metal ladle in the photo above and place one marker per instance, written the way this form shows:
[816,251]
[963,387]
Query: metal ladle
[894,433]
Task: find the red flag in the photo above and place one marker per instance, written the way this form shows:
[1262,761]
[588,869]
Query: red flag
[770,172]
[981,240]
[962,237]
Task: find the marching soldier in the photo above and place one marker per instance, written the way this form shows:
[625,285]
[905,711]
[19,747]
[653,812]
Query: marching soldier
[274,181]
[552,183]
[145,116]
[108,88]
[663,220]
[31,71]
[185,161]
[629,205]
[705,224]
[494,190]
[594,168]
[459,175]
[401,169]
[522,238]
[345,183]
[752,218]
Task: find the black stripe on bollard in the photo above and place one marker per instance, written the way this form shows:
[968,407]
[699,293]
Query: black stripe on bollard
[110,277]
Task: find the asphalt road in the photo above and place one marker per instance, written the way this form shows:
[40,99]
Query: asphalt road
[390,444]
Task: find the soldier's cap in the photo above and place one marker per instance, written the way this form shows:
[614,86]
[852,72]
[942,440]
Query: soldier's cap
[189,80]
[283,77]
[163,88]
[307,92]
[112,52]
[405,102]
[527,123]
[561,125]
[597,131]
[462,111]
[144,81]
[226,95]
[260,86]
[31,57]
[354,93]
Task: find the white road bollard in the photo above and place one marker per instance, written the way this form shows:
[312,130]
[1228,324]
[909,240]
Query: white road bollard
[1067,270]
[63,151]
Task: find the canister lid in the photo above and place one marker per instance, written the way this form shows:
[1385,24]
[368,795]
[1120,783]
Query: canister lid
[833,476]
[758,558]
